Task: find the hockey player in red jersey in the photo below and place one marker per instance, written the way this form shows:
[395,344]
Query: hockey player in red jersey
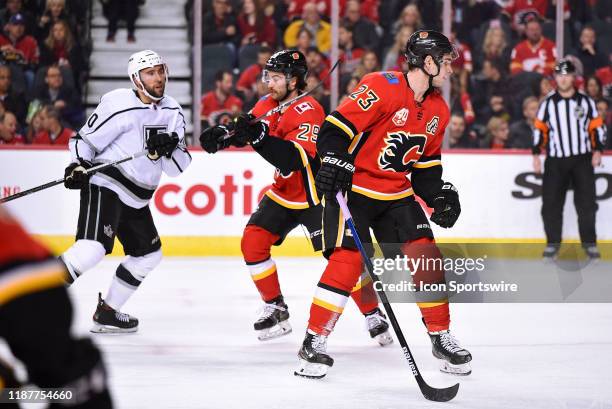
[35,321]
[390,127]
[287,141]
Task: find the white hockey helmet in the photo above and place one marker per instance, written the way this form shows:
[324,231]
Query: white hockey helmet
[141,60]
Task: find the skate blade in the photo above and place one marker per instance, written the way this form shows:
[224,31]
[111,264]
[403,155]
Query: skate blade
[280,329]
[109,329]
[459,370]
[384,339]
[311,370]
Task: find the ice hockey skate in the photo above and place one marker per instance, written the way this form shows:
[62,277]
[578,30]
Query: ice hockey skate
[453,358]
[109,321]
[378,327]
[314,361]
[273,321]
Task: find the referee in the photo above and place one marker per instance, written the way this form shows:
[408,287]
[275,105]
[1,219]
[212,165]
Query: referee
[570,131]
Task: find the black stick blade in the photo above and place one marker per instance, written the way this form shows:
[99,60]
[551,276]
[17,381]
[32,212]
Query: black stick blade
[438,395]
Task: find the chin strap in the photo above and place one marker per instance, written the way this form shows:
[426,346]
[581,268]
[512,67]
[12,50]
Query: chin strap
[142,89]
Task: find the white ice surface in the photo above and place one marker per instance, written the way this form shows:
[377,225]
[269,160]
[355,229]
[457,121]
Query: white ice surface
[196,347]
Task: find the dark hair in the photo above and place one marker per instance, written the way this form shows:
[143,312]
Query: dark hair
[264,49]
[52,112]
[219,75]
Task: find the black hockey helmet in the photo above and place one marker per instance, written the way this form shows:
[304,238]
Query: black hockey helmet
[565,66]
[292,63]
[428,42]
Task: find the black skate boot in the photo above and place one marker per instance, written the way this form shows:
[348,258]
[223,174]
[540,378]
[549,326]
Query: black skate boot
[453,358]
[550,253]
[378,327]
[274,320]
[592,252]
[108,321]
[314,361]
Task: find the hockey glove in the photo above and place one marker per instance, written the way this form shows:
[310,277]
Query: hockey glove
[75,176]
[247,133]
[335,174]
[162,144]
[446,206]
[215,138]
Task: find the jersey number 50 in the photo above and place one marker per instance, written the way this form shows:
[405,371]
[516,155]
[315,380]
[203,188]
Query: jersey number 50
[365,97]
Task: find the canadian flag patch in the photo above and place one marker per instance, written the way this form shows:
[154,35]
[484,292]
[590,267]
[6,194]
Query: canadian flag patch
[303,107]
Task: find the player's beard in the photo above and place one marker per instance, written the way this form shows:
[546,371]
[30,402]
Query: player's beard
[152,90]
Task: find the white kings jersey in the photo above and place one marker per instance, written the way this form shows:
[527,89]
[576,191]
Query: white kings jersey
[120,127]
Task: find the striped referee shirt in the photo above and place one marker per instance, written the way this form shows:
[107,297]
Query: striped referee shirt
[567,127]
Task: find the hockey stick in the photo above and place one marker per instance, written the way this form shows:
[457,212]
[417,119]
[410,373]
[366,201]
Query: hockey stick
[430,393]
[60,181]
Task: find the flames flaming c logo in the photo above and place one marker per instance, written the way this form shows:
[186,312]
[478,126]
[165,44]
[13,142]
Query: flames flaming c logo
[401,151]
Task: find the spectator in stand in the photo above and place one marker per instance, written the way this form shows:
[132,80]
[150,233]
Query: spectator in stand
[546,86]
[521,131]
[603,108]
[60,48]
[535,53]
[19,48]
[8,130]
[11,100]
[319,93]
[462,65]
[305,39]
[350,54]
[318,66]
[497,107]
[261,89]
[410,17]
[53,132]
[493,81]
[247,83]
[394,58]
[255,26]
[366,35]
[369,63]
[459,134]
[593,88]
[588,53]
[115,10]
[494,47]
[54,12]
[35,126]
[220,25]
[321,30]
[296,7]
[518,11]
[14,7]
[348,88]
[497,133]
[461,101]
[63,98]
[219,105]
[605,76]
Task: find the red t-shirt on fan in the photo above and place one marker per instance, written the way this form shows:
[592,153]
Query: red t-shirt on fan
[45,138]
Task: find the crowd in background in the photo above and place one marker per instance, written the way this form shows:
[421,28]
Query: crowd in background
[507,53]
[43,66]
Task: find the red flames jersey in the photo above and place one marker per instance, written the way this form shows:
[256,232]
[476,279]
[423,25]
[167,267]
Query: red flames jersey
[300,124]
[390,133]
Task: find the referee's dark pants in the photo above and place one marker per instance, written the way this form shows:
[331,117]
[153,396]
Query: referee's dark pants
[558,174]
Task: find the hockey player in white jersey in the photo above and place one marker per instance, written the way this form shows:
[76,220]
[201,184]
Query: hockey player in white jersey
[115,201]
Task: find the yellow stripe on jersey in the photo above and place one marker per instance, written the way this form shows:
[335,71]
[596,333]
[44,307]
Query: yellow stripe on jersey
[310,189]
[302,152]
[432,304]
[362,282]
[355,142]
[340,232]
[327,305]
[266,273]
[286,203]
[382,196]
[30,279]
[428,164]
[341,125]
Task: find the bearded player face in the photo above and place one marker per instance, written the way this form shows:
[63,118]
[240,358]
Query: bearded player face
[154,80]
[277,85]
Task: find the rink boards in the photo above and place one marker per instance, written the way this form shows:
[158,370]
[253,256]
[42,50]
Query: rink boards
[203,211]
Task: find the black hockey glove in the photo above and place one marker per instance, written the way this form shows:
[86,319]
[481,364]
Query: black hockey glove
[247,133]
[335,174]
[215,138]
[75,176]
[162,144]
[446,206]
